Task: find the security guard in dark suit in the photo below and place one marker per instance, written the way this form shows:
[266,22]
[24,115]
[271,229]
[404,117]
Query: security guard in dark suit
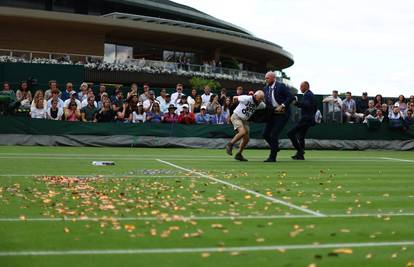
[278,98]
[298,132]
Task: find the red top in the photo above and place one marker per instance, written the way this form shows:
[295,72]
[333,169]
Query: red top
[188,118]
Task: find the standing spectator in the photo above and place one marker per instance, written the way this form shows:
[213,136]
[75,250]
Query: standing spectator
[55,96]
[53,86]
[155,114]
[205,98]
[139,115]
[83,92]
[72,113]
[175,97]
[378,101]
[39,111]
[145,95]
[349,109]
[54,112]
[73,97]
[202,117]
[186,117]
[362,103]
[89,112]
[133,90]
[106,114]
[212,105]
[24,96]
[401,103]
[171,116]
[66,94]
[164,106]
[239,91]
[149,102]
[219,117]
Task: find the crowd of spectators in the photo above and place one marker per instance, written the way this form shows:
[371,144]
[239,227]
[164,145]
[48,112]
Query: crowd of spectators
[398,113]
[136,106]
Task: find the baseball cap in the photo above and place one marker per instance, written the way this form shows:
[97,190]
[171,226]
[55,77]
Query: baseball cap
[72,93]
[185,106]
[203,107]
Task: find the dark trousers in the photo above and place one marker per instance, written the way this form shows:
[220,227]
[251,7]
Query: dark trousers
[274,126]
[297,135]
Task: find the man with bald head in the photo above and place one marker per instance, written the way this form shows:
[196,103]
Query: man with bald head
[298,132]
[278,99]
[247,105]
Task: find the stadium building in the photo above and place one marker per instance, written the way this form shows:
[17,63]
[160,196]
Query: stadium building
[125,31]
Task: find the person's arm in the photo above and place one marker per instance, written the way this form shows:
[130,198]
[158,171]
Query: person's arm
[83,114]
[77,114]
[289,97]
[95,119]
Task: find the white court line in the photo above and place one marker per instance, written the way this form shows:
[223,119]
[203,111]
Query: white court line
[203,250]
[177,218]
[400,160]
[272,199]
[97,176]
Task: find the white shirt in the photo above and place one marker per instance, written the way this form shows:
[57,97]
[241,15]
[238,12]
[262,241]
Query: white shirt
[61,104]
[206,98]
[332,105]
[175,97]
[138,118]
[247,107]
[67,101]
[147,104]
[161,100]
[37,113]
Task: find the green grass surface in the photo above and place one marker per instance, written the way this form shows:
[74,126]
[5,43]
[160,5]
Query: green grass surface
[53,200]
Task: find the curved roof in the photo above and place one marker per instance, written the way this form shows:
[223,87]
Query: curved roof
[183,11]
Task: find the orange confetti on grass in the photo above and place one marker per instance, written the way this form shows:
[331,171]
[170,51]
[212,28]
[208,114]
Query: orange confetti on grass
[66,230]
[129,227]
[343,251]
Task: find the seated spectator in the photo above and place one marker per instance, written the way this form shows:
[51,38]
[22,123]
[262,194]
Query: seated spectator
[401,103]
[85,102]
[396,118]
[118,104]
[362,103]
[371,110]
[55,96]
[67,93]
[409,119]
[176,97]
[191,98]
[410,106]
[349,109]
[9,101]
[171,116]
[378,117]
[24,96]
[106,114]
[89,112]
[39,111]
[239,91]
[52,87]
[412,99]
[186,117]
[181,103]
[202,117]
[155,114]
[54,112]
[196,107]
[166,103]
[104,97]
[102,90]
[149,101]
[73,97]
[145,95]
[219,117]
[223,96]
[133,90]
[38,95]
[162,98]
[227,111]
[334,107]
[212,104]
[72,113]
[385,112]
[378,101]
[83,92]
[138,114]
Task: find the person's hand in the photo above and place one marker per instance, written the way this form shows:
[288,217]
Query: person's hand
[279,109]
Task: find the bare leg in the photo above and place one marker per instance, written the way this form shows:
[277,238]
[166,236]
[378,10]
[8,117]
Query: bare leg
[241,132]
[244,143]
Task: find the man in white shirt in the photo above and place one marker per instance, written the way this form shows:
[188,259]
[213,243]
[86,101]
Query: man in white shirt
[175,97]
[205,98]
[334,103]
[149,102]
[162,97]
[73,97]
[244,110]
[84,103]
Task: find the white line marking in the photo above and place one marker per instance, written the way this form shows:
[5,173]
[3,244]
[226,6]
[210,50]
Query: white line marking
[272,199]
[400,160]
[97,176]
[201,250]
[177,218]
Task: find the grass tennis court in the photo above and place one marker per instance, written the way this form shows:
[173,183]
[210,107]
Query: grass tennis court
[199,207]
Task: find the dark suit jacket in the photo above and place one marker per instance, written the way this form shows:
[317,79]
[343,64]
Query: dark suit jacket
[308,107]
[282,95]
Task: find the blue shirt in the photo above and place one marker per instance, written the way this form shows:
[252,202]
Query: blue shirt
[200,119]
